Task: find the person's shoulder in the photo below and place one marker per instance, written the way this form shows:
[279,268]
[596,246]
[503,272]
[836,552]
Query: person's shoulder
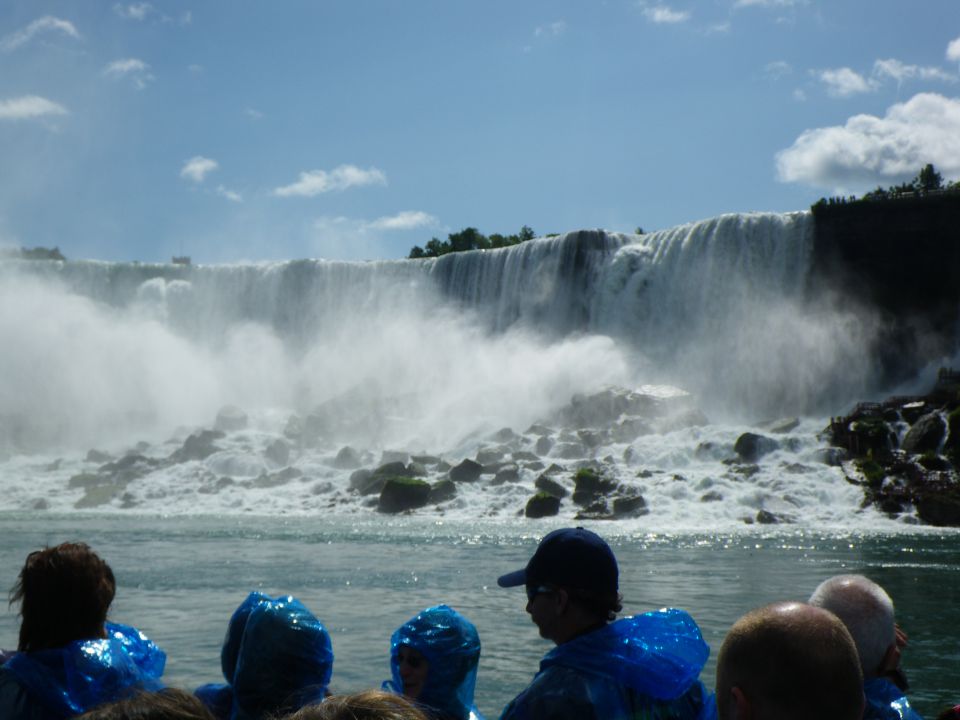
[557,692]
[15,701]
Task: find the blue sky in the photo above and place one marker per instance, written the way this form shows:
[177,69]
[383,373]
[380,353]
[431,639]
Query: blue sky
[354,129]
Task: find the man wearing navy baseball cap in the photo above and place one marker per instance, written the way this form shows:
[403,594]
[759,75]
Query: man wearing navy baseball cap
[602,668]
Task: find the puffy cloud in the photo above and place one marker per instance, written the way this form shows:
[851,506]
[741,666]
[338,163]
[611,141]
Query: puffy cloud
[844,82]
[137,70]
[663,14]
[900,71]
[47,23]
[870,150]
[777,70]
[953,50]
[316,182]
[197,168]
[406,220]
[29,106]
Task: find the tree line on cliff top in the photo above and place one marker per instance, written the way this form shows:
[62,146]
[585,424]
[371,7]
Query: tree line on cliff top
[927,182]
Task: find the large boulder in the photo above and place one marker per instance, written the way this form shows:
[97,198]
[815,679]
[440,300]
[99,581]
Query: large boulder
[940,509]
[925,435]
[751,447]
[546,484]
[630,506]
[198,446]
[403,493]
[467,471]
[541,505]
[278,452]
[347,459]
[442,491]
[589,486]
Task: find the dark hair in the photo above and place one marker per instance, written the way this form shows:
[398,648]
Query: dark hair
[601,604]
[167,704]
[367,705]
[64,594]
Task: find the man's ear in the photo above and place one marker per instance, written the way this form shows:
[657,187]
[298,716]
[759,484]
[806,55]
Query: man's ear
[562,600]
[891,660]
[739,705]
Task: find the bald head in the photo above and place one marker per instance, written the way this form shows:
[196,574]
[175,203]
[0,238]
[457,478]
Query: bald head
[786,661]
[867,611]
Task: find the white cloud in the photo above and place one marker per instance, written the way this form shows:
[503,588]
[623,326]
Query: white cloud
[48,23]
[870,150]
[134,11]
[844,82]
[406,220]
[197,168]
[230,195]
[316,182]
[252,113]
[29,106]
[552,29]
[663,14]
[800,95]
[899,71]
[953,50]
[777,70]
[137,70]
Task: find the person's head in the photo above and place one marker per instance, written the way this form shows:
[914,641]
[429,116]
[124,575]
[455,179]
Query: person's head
[434,658]
[789,661]
[64,594]
[285,660]
[867,611]
[235,629]
[572,584]
[368,705]
[167,704]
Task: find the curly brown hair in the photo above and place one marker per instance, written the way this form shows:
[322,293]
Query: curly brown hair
[64,594]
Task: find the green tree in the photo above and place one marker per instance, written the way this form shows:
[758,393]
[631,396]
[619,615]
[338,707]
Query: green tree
[928,180]
[526,233]
[416,252]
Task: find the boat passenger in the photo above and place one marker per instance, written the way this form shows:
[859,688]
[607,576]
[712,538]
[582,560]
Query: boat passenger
[434,658]
[69,658]
[867,612]
[281,657]
[602,668]
[167,704]
[367,705]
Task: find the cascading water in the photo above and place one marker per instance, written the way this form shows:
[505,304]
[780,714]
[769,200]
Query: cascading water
[427,357]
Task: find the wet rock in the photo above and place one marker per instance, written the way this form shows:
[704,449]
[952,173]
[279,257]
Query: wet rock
[99,495]
[364,482]
[934,462]
[597,510]
[322,488]
[443,466]
[925,435]
[632,506]
[52,467]
[538,429]
[278,452]
[269,480]
[629,429]
[783,426]
[524,456]
[87,480]
[505,435]
[395,467]
[942,510]
[570,451]
[871,437]
[544,445]
[765,517]
[751,447]
[490,456]
[467,471]
[394,456]
[403,493]
[592,438]
[40,504]
[415,469]
[199,446]
[711,496]
[425,459]
[535,466]
[230,418]
[442,491]
[97,456]
[589,486]
[547,484]
[506,474]
[293,430]
[832,456]
[347,459]
[542,505]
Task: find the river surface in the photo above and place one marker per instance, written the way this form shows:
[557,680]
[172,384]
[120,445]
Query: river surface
[179,579]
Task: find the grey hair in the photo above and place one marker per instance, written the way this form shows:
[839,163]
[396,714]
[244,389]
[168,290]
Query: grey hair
[866,610]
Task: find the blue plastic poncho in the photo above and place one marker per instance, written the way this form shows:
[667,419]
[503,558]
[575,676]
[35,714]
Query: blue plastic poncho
[285,660]
[218,697]
[451,645]
[637,667]
[885,701]
[70,680]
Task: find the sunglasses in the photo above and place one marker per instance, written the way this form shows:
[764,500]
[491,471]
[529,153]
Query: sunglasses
[534,590]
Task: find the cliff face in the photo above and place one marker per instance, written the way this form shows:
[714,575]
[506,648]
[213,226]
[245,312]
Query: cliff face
[899,259]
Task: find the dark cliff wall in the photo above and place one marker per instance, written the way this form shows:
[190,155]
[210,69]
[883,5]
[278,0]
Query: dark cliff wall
[900,261]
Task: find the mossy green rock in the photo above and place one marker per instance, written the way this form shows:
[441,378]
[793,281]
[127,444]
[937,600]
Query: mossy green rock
[403,493]
[541,505]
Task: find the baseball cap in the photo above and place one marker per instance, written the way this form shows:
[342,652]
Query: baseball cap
[570,557]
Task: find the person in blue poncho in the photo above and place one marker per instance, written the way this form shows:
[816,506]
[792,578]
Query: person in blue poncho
[277,657]
[867,612]
[434,658]
[639,667]
[69,658]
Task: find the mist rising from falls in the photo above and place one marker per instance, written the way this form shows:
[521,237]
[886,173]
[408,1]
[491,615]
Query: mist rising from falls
[459,343]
